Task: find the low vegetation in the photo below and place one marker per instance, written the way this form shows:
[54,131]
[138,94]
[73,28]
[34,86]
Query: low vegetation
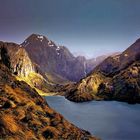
[25,115]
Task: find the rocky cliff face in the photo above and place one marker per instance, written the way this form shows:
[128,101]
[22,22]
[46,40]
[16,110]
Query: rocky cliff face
[26,115]
[116,78]
[126,84]
[17,60]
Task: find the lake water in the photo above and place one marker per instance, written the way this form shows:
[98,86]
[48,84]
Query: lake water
[109,120]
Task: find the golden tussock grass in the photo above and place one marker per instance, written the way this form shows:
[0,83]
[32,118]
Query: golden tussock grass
[10,123]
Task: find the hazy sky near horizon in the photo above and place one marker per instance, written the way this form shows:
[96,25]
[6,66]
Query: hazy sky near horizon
[87,27]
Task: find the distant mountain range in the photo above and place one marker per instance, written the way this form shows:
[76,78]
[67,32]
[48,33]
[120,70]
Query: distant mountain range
[44,65]
[116,78]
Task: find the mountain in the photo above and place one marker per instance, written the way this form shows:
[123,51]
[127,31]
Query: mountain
[92,63]
[24,114]
[43,65]
[57,60]
[116,78]
[52,58]
[16,58]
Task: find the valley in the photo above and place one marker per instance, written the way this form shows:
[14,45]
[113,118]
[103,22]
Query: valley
[70,70]
[38,67]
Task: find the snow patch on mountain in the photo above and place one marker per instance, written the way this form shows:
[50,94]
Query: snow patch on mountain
[125,55]
[50,43]
[58,48]
[40,37]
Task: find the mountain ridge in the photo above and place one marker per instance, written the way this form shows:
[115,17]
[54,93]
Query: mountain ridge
[116,78]
[57,59]
[44,65]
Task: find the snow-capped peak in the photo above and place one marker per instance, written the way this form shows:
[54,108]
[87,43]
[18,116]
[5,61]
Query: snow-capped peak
[58,48]
[50,43]
[40,37]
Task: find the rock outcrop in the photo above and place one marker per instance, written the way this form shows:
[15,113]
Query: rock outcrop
[24,114]
[16,58]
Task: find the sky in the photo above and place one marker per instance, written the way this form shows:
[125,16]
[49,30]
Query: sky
[85,27]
